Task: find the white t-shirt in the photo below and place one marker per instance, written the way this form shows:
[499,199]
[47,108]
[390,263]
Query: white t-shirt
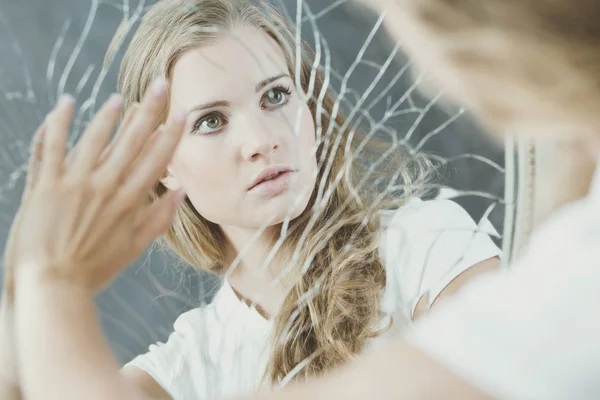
[531,332]
[222,349]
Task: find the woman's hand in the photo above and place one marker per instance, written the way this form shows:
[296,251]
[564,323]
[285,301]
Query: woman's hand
[85,217]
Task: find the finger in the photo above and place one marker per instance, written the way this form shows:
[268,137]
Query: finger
[144,123]
[150,143]
[35,159]
[129,115]
[94,140]
[55,139]
[154,159]
[139,197]
[131,198]
[155,219]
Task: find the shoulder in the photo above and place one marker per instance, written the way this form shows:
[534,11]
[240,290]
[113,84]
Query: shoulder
[162,356]
[425,244]
[429,224]
[418,216]
[173,363]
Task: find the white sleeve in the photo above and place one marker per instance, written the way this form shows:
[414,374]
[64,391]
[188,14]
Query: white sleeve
[531,332]
[169,363]
[428,244]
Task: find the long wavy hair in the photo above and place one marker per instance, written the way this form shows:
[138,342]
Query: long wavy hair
[339,229]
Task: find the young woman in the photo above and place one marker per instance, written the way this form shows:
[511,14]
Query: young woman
[531,68]
[315,270]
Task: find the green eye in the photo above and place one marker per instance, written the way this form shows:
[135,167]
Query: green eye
[212,122]
[209,124]
[275,97]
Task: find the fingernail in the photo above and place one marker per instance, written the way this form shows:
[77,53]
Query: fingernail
[115,101]
[64,102]
[159,87]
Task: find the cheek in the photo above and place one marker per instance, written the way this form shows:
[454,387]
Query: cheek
[202,171]
[308,157]
[298,125]
[307,133]
[305,136]
[304,151]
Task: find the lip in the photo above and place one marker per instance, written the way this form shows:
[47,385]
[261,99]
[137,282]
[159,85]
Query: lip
[259,185]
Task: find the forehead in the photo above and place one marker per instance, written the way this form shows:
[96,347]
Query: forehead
[233,64]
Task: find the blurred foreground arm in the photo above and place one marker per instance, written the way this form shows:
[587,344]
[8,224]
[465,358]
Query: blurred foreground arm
[9,377]
[563,173]
[9,382]
[399,371]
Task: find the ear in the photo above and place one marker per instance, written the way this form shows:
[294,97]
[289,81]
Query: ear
[170,181]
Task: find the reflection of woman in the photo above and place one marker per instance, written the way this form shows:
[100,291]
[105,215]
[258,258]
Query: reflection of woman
[531,68]
[245,162]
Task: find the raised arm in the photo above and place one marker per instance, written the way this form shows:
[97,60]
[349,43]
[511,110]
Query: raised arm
[9,377]
[9,381]
[84,222]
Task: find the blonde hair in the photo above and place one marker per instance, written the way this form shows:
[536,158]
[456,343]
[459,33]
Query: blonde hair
[341,248]
[550,47]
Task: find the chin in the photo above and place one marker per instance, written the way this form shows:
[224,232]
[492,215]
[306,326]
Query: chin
[273,217]
[291,206]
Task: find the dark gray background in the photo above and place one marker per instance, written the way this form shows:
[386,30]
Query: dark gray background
[142,304]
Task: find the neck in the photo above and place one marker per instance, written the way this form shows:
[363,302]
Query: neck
[248,251]
[592,147]
[252,268]
[564,172]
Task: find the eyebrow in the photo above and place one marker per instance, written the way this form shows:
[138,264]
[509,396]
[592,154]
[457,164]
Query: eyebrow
[223,103]
[265,82]
[212,104]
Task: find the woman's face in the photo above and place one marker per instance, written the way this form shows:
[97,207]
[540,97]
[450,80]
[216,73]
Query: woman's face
[247,158]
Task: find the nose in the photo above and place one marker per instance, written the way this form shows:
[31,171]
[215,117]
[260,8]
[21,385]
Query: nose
[259,142]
